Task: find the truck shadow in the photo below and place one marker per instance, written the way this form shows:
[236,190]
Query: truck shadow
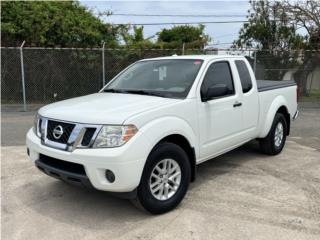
[227,163]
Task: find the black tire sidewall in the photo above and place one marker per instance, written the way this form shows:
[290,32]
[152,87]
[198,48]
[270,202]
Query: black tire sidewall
[278,118]
[162,151]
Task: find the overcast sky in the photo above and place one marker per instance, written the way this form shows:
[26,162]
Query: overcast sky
[220,33]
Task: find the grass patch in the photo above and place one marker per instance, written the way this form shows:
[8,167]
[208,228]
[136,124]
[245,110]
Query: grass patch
[313,96]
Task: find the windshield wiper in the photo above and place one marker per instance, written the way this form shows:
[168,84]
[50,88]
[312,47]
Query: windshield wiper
[141,92]
[144,92]
[112,90]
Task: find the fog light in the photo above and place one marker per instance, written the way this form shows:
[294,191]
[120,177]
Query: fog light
[110,176]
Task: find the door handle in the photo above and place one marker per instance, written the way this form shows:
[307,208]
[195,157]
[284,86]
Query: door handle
[237,104]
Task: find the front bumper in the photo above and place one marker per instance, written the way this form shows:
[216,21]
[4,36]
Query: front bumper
[67,176]
[126,162]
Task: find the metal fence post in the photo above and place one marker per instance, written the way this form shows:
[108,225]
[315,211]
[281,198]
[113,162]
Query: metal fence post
[255,62]
[103,66]
[183,48]
[22,78]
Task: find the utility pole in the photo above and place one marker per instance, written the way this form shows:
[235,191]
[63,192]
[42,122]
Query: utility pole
[22,78]
[103,66]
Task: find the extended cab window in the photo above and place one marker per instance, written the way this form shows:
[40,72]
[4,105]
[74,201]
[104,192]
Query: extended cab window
[218,73]
[244,75]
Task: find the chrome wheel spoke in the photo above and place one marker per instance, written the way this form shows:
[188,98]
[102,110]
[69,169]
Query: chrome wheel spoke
[156,189]
[173,182]
[161,191]
[158,182]
[172,169]
[155,176]
[165,165]
[172,177]
[166,190]
[159,169]
[170,186]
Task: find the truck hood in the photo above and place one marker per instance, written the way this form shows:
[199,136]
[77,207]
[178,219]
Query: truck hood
[103,108]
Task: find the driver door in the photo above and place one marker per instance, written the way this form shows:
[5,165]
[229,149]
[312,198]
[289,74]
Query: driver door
[220,119]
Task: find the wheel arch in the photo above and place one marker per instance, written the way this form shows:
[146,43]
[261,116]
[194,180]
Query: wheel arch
[183,142]
[286,114]
[279,105]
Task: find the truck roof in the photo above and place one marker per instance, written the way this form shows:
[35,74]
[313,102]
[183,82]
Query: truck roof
[202,57]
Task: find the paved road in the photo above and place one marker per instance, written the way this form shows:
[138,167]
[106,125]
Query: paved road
[240,195]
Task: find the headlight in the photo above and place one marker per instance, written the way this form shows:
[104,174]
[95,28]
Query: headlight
[36,125]
[114,136]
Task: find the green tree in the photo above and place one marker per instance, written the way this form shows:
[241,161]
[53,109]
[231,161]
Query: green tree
[268,27]
[135,39]
[52,23]
[306,14]
[176,36]
[270,30]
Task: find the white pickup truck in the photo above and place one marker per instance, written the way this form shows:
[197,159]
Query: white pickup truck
[144,133]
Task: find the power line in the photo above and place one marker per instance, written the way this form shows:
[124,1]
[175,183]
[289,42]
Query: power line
[214,44]
[225,35]
[175,15]
[181,23]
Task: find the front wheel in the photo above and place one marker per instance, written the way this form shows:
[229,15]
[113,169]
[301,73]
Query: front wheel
[165,179]
[274,142]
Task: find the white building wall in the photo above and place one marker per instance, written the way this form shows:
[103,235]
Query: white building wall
[313,81]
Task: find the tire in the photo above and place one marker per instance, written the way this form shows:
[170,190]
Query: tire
[272,144]
[169,187]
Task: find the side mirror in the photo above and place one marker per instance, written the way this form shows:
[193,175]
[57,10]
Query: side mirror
[215,91]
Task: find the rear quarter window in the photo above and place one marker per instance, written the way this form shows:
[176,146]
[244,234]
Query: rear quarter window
[245,78]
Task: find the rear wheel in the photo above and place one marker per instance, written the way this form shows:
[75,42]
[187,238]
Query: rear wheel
[274,142]
[165,179]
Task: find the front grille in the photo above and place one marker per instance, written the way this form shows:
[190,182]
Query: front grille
[67,129]
[67,136]
[63,165]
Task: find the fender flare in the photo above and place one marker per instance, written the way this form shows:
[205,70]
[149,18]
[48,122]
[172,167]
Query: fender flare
[277,103]
[160,128]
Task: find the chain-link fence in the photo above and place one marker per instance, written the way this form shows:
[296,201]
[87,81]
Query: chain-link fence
[56,74]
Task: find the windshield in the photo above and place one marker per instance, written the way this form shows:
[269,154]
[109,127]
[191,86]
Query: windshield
[170,78]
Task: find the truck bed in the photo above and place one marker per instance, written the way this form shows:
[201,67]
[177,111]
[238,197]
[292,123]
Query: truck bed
[266,85]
